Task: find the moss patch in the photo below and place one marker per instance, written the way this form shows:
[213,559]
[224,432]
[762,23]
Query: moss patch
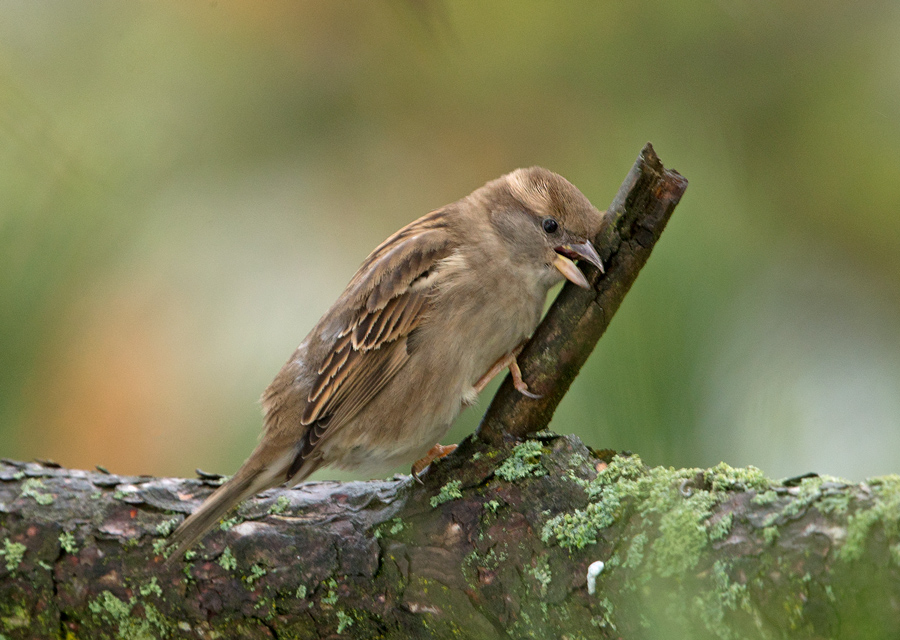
[166,527]
[151,588]
[257,571]
[31,488]
[525,461]
[450,491]
[280,505]
[67,542]
[14,553]
[885,511]
[672,511]
[344,621]
[540,571]
[112,611]
[227,560]
[331,597]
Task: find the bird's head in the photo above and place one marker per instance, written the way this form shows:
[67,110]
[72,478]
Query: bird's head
[547,222]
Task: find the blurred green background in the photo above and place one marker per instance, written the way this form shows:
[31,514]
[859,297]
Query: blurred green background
[186,187]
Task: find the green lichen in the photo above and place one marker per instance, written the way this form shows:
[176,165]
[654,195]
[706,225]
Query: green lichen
[131,543]
[884,511]
[31,489]
[492,505]
[764,498]
[227,560]
[770,534]
[396,526]
[257,571]
[166,527]
[16,617]
[267,605]
[14,552]
[713,604]
[540,571]
[450,491]
[300,593]
[579,528]
[672,512]
[280,505]
[682,533]
[331,597]
[490,560]
[635,554]
[344,621]
[67,542]
[112,611]
[524,462]
[605,620]
[722,526]
[576,460]
[723,477]
[151,587]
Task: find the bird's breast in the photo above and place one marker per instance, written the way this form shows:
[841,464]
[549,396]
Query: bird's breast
[471,323]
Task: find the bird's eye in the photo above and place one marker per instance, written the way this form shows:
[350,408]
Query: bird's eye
[550,225]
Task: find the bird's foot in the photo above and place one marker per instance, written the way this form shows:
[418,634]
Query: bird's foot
[437,451]
[518,383]
[508,360]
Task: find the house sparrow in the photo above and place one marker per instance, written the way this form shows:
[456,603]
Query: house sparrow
[430,317]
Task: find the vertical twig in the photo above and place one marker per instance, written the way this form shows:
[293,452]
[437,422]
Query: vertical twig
[577,318]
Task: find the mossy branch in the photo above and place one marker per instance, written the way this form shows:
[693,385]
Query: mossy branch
[577,318]
[498,543]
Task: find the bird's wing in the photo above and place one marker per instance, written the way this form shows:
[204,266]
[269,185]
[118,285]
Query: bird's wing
[386,300]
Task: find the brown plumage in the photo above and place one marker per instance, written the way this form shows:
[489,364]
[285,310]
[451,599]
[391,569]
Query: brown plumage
[386,370]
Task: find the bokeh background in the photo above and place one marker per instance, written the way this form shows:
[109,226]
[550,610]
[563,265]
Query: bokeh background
[186,187]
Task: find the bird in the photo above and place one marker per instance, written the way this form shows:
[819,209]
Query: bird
[432,314]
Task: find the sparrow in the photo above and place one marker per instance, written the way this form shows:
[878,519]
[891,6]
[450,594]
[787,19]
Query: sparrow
[434,312]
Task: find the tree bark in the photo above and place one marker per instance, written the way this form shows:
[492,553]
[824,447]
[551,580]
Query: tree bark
[497,544]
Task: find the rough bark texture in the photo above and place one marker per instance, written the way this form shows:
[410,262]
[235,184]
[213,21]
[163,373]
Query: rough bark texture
[496,544]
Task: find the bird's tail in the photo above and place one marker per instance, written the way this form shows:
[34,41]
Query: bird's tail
[257,474]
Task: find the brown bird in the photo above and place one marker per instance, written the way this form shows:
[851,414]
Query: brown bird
[430,317]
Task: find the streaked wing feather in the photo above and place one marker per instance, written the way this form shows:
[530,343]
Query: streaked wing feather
[358,390]
[382,308]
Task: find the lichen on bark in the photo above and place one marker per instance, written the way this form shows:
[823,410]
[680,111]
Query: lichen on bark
[684,550]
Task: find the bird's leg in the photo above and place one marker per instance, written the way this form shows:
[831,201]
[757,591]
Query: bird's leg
[508,360]
[437,451]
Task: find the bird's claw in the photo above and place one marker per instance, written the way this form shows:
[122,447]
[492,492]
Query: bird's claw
[523,389]
[437,451]
[520,385]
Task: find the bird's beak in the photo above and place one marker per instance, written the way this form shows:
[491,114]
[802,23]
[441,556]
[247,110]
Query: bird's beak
[583,251]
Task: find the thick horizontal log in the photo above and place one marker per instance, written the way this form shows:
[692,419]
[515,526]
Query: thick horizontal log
[497,543]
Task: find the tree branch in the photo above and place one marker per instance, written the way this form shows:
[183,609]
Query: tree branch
[576,320]
[497,544]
